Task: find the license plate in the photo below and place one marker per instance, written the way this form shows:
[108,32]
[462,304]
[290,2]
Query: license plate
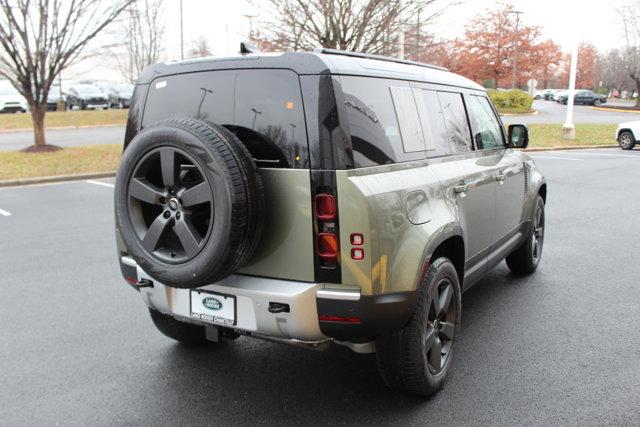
[213,307]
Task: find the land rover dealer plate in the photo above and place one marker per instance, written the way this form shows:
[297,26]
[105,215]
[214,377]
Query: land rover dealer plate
[213,307]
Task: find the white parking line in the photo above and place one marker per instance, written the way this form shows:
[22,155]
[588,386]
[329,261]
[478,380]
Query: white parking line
[4,213]
[608,155]
[558,158]
[104,184]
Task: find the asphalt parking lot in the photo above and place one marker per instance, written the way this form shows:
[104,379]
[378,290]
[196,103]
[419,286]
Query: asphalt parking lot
[561,346]
[550,112]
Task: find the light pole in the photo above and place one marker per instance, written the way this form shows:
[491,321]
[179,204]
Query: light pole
[515,50]
[400,30]
[568,129]
[181,34]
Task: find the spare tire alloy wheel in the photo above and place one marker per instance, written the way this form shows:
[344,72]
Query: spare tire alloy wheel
[171,211]
[188,202]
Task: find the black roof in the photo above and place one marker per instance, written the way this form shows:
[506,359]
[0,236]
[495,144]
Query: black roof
[322,61]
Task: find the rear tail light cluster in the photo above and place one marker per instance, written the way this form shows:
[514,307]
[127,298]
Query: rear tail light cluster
[327,243]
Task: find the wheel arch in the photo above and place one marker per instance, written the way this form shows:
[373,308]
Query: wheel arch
[542,192]
[451,245]
[635,135]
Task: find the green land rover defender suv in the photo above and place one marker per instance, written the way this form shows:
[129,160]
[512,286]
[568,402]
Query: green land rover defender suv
[319,198]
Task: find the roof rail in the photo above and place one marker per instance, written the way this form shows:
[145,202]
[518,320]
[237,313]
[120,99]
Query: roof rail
[376,57]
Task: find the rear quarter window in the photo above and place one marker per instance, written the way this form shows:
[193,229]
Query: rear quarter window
[376,135]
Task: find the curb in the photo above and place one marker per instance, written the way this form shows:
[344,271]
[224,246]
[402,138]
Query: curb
[533,113]
[616,110]
[63,128]
[569,147]
[57,178]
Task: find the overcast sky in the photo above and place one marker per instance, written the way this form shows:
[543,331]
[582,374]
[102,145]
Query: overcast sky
[224,24]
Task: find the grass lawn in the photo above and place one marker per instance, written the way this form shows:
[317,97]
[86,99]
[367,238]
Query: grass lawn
[544,135]
[91,158]
[55,119]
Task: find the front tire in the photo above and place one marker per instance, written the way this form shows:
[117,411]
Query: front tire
[526,258]
[626,141]
[417,358]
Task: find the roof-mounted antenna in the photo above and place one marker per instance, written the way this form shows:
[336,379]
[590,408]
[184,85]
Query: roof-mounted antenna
[246,48]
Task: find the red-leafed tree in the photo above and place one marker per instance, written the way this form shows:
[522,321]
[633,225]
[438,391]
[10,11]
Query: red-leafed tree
[586,70]
[486,50]
[547,62]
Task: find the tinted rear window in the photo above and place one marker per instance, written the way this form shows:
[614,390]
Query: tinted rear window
[205,96]
[262,107]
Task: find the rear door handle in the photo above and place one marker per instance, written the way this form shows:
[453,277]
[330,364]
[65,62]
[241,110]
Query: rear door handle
[501,176]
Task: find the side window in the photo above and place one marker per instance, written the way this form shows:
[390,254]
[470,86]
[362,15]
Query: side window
[206,96]
[432,119]
[269,118]
[486,128]
[376,137]
[455,119]
[408,119]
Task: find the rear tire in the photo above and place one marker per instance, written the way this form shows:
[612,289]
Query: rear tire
[417,358]
[626,141]
[185,333]
[526,258]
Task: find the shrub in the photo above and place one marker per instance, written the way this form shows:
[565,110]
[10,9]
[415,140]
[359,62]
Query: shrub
[511,101]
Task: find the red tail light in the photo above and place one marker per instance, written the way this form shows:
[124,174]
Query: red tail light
[328,248]
[325,207]
[341,319]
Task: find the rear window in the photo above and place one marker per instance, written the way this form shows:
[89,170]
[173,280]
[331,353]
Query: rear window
[205,96]
[262,107]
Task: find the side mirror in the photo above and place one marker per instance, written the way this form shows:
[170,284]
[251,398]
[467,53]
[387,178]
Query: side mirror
[518,136]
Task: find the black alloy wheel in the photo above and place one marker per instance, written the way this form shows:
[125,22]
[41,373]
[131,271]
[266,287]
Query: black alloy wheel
[170,204]
[441,325]
[538,233]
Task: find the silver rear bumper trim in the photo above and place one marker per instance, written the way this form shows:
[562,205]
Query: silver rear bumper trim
[339,295]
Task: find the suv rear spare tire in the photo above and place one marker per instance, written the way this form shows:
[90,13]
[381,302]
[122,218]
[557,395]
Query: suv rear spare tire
[188,202]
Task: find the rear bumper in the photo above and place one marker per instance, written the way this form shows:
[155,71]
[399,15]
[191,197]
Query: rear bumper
[315,313]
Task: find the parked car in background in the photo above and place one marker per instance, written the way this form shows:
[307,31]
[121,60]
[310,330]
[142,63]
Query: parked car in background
[547,94]
[10,99]
[120,95]
[584,97]
[86,96]
[558,93]
[55,95]
[628,134]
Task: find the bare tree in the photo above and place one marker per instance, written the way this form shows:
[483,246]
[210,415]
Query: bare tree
[144,28]
[200,48]
[630,17]
[369,26]
[39,39]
